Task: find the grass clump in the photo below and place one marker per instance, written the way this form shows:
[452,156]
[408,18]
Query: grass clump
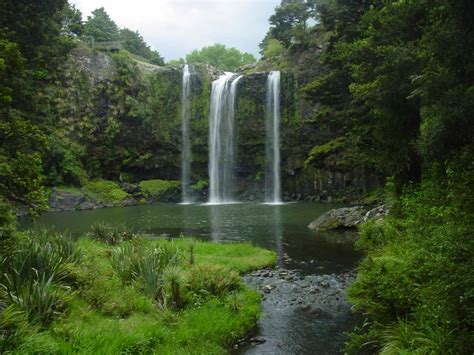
[34,285]
[213,279]
[112,233]
[106,191]
[159,188]
[133,296]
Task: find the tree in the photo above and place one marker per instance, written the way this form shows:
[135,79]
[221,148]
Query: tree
[72,21]
[33,46]
[273,49]
[134,43]
[289,21]
[101,27]
[20,141]
[220,57]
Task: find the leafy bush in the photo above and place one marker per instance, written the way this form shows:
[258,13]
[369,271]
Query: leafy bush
[31,279]
[158,188]
[146,266]
[14,327]
[174,281]
[112,233]
[38,298]
[414,283]
[213,279]
[7,229]
[106,191]
[43,253]
[201,184]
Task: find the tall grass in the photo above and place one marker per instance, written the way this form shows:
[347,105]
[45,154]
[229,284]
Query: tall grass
[174,280]
[112,233]
[213,279]
[45,254]
[32,278]
[133,297]
[38,298]
[145,266]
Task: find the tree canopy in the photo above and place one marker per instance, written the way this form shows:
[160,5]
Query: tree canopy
[220,57]
[134,43]
[101,27]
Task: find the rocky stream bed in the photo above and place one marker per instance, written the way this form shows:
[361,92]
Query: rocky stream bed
[317,302]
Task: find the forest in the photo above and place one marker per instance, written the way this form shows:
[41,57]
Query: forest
[383,87]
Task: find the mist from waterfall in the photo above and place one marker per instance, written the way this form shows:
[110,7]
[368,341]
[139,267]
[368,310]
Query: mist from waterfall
[186,154]
[221,139]
[272,143]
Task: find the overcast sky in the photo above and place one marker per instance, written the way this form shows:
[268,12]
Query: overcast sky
[175,27]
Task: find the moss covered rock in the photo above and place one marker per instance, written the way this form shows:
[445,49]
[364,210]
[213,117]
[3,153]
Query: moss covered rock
[161,190]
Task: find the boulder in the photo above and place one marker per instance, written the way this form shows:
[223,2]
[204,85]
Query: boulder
[341,218]
[376,213]
[64,201]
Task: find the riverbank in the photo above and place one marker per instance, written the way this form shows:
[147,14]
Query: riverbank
[124,293]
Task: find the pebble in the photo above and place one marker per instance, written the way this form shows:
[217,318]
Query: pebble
[257,340]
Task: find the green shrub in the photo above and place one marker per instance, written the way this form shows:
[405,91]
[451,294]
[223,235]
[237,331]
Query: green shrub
[14,327]
[31,279]
[7,229]
[213,279]
[106,191]
[375,234]
[158,188]
[38,298]
[415,284]
[69,188]
[201,184]
[174,282]
[146,266]
[44,253]
[124,259]
[112,233]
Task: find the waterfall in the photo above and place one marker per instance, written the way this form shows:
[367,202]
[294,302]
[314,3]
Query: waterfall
[186,141]
[272,144]
[221,139]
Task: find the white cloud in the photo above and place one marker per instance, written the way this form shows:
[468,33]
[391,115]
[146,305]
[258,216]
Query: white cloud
[174,28]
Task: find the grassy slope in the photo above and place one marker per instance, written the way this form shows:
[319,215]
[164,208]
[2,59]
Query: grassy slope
[106,317]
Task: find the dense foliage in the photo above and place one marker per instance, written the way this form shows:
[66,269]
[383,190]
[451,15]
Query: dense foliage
[34,40]
[396,94]
[219,56]
[99,27]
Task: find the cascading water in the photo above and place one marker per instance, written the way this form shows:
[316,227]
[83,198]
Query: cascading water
[186,141]
[272,144]
[221,139]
